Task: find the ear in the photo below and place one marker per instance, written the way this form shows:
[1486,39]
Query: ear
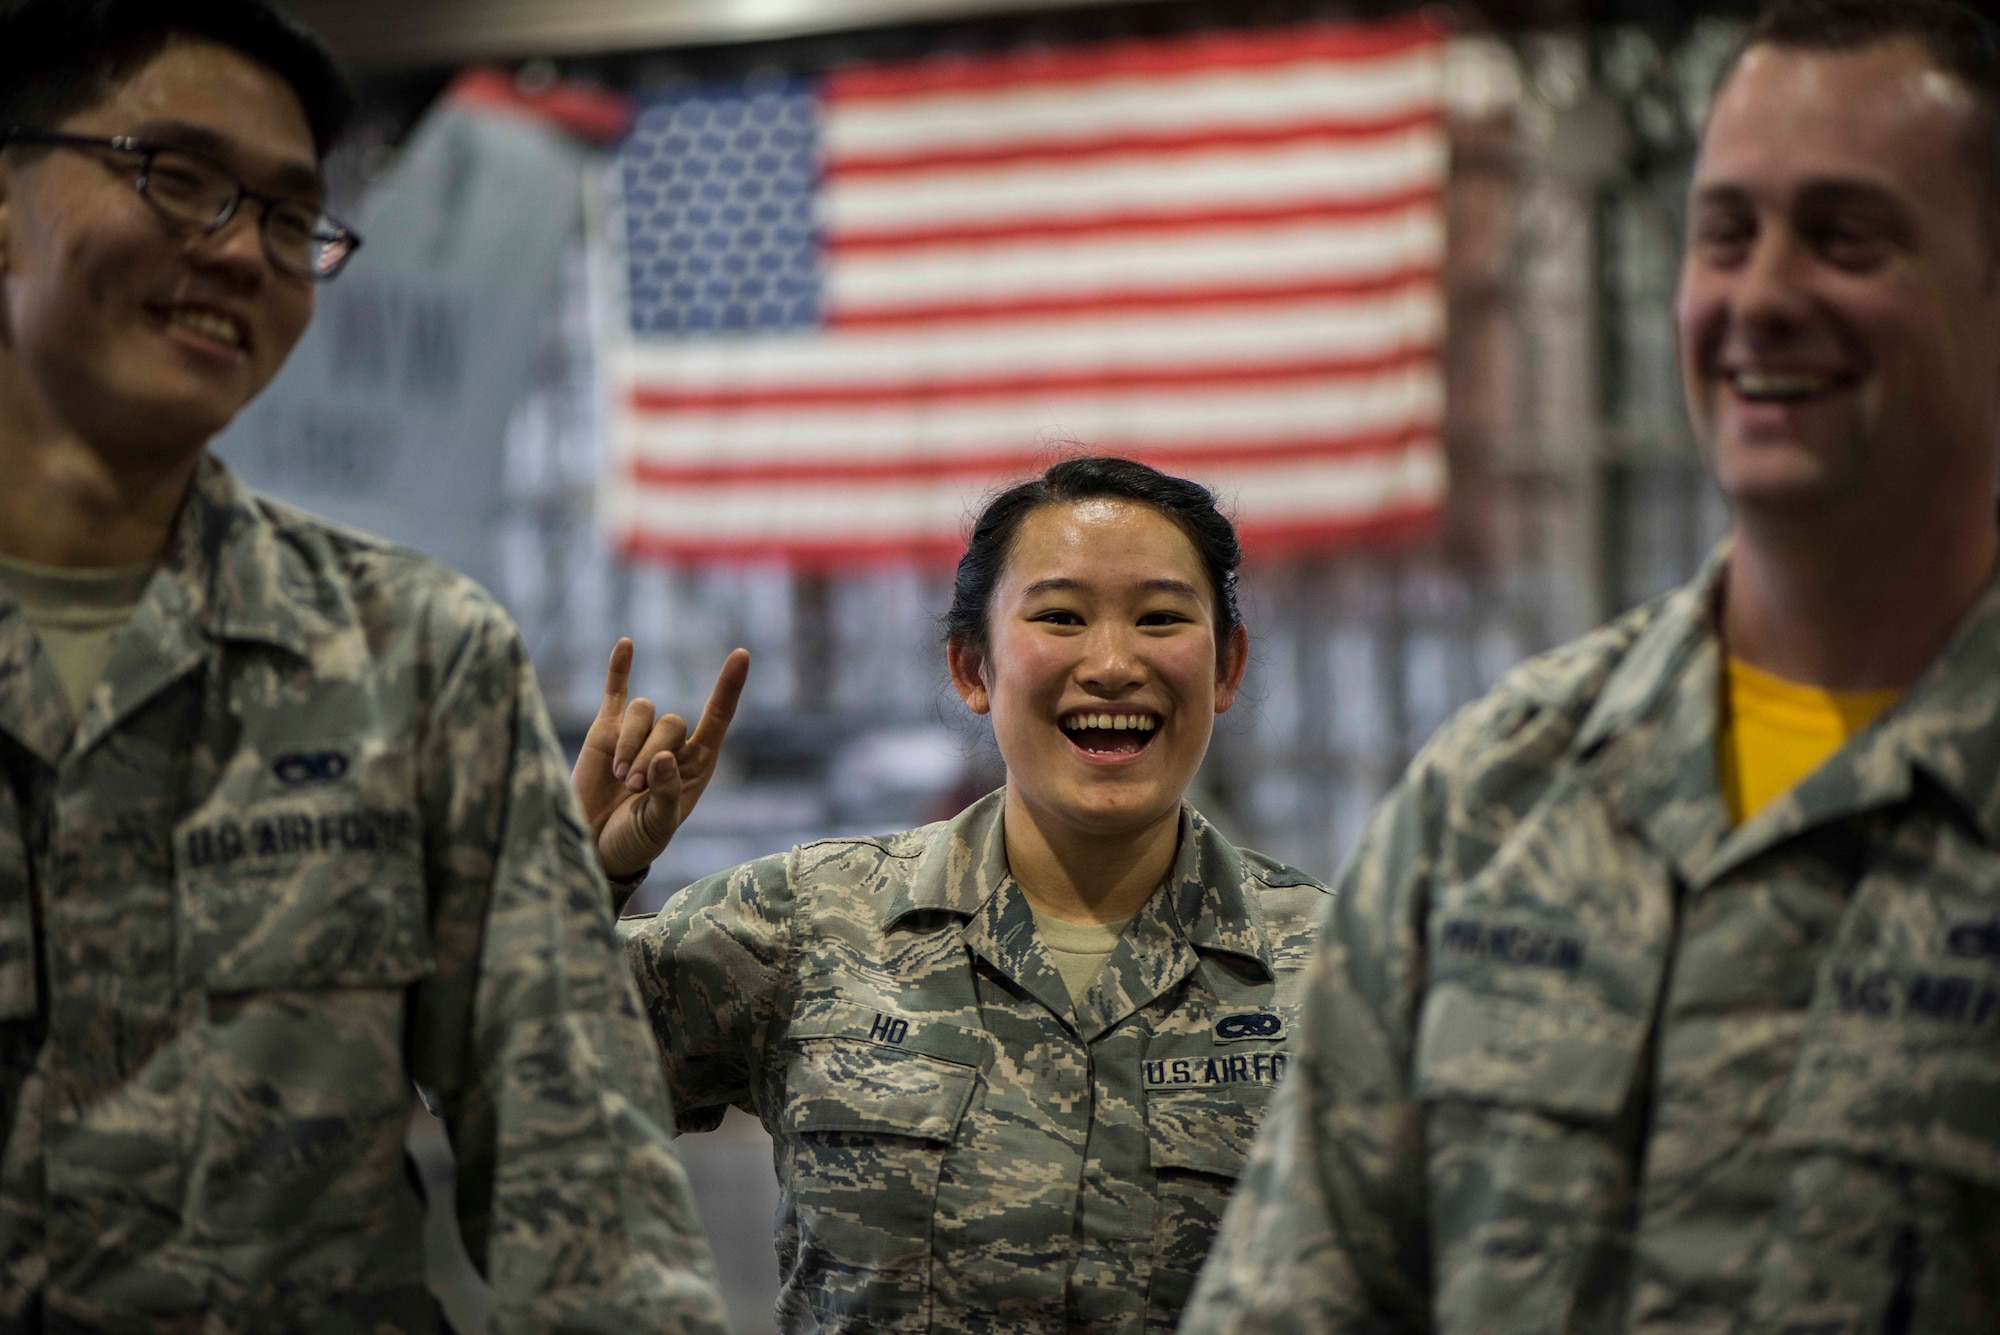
[968,676]
[1230,665]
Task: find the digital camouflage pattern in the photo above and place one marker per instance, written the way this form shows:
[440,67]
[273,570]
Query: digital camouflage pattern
[957,1148]
[310,840]
[1577,1056]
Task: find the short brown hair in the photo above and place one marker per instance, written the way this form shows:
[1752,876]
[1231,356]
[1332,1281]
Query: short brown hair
[1961,41]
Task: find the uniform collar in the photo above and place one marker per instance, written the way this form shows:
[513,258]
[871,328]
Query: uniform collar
[238,578]
[1210,898]
[33,710]
[1207,902]
[1681,630]
[1948,725]
[1945,728]
[960,869]
[1652,738]
[227,574]
[1648,744]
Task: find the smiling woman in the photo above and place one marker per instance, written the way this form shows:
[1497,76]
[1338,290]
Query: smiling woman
[1013,1061]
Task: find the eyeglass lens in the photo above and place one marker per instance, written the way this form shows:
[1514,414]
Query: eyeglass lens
[298,238]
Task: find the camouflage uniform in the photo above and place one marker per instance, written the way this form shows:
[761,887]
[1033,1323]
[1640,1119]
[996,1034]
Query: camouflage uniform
[310,840]
[958,1149]
[1577,1056]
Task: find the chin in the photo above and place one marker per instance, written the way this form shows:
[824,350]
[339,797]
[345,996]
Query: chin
[168,427]
[1118,811]
[1791,491]
[1780,476]
[148,422]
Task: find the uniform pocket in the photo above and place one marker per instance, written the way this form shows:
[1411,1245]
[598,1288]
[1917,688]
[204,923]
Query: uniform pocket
[1544,971]
[1889,1213]
[1199,1140]
[1524,1010]
[867,1124]
[1544,980]
[301,915]
[1527,1100]
[1901,1062]
[288,896]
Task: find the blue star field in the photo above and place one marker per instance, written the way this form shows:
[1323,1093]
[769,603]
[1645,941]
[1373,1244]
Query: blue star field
[718,186]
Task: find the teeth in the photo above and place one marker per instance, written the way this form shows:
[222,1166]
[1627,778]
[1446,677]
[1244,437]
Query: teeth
[1113,722]
[208,324]
[1780,384]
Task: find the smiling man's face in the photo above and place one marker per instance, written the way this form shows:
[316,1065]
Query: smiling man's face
[1839,318]
[138,336]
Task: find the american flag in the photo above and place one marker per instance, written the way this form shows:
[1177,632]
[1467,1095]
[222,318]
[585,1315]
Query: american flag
[852,304]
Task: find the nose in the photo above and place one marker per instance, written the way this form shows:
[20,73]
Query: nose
[234,250]
[1111,665]
[1770,297]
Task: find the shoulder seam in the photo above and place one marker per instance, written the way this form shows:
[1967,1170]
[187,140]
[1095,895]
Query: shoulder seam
[876,842]
[796,885]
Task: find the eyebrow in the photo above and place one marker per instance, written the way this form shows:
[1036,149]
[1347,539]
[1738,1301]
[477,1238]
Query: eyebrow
[1811,194]
[1823,194]
[291,178]
[1064,584]
[1721,196]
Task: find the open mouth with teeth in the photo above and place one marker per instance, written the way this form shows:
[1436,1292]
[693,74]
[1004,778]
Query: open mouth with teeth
[209,324]
[1110,733]
[1787,386]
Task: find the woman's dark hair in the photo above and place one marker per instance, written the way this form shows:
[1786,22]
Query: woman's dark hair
[59,57]
[1091,477]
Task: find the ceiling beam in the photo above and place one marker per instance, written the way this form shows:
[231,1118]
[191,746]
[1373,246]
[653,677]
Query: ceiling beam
[430,32]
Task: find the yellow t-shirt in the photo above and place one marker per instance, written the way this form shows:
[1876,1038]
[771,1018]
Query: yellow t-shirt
[1780,731]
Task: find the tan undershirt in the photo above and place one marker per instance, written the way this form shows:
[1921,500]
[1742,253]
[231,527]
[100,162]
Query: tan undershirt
[1080,949]
[77,614]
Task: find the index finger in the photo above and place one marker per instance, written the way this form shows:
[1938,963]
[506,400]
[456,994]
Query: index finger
[617,681]
[720,710]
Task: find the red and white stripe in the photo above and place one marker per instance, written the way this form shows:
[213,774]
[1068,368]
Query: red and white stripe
[1218,254]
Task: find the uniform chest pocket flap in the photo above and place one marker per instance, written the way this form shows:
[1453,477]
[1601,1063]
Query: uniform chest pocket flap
[303,875]
[855,1069]
[1203,1130]
[1541,998]
[1901,1062]
[1531,1013]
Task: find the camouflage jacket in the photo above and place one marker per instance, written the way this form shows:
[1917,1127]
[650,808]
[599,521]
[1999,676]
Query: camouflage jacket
[312,839]
[1579,1056]
[958,1148]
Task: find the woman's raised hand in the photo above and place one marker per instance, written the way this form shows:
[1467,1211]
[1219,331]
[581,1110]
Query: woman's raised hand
[639,777]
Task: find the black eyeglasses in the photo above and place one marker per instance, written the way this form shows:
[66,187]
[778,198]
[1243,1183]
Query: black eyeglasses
[193,191]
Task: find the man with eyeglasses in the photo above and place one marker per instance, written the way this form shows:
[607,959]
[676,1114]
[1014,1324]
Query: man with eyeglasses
[282,824]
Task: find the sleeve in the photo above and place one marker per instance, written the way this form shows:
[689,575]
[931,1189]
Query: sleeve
[529,1032]
[714,973]
[1327,1230]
